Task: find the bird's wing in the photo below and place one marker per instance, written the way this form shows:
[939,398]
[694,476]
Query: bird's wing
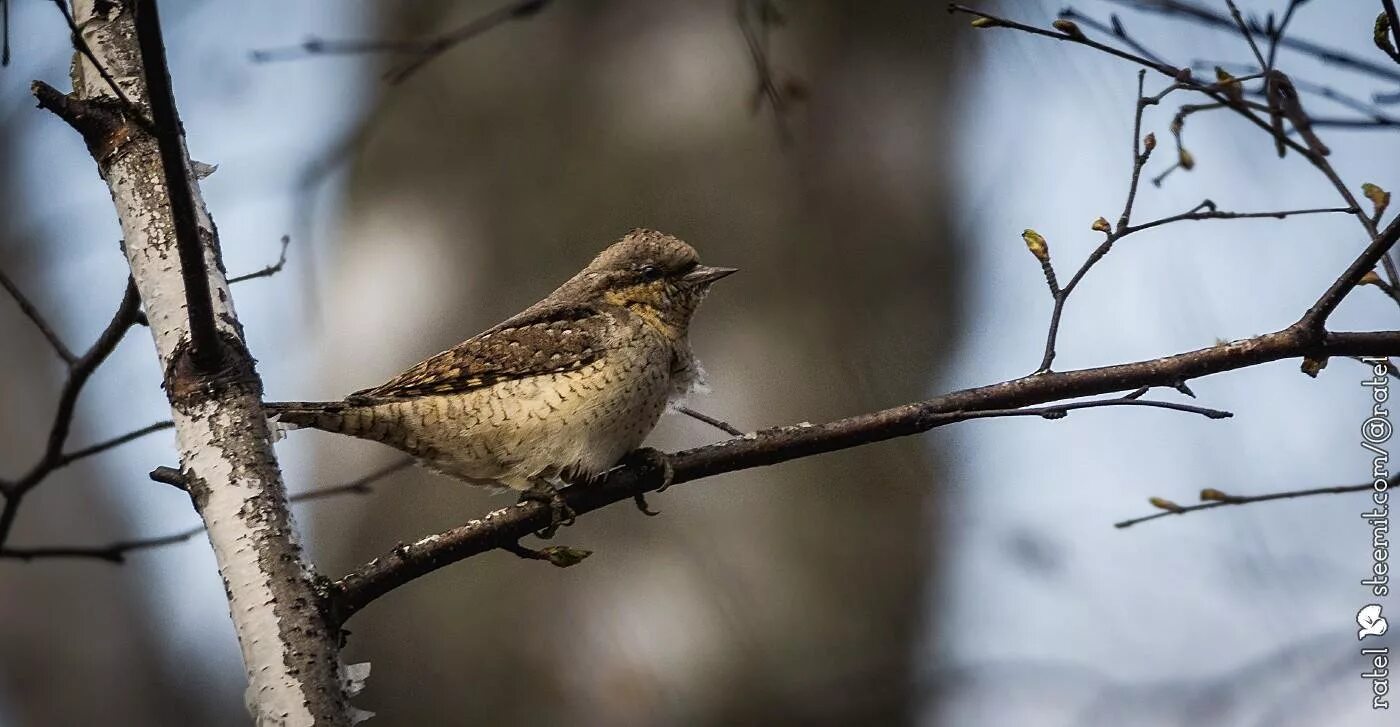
[544,339]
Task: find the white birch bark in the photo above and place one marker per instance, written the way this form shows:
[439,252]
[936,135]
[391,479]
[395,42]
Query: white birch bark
[289,651]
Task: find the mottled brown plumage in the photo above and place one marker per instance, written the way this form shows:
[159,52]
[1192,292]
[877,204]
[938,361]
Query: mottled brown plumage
[564,389]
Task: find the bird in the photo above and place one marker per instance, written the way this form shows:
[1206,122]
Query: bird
[559,393]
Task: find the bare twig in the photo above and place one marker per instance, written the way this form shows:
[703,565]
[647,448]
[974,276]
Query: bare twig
[114,442]
[1114,28]
[1111,235]
[1244,30]
[423,51]
[756,20]
[719,424]
[1206,211]
[1208,17]
[1316,317]
[1378,117]
[1214,498]
[1315,154]
[1059,411]
[80,44]
[78,374]
[117,551]
[1279,31]
[270,270]
[32,313]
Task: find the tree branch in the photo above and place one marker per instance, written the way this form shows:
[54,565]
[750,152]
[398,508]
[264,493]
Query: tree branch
[1314,151]
[719,424]
[116,552]
[81,370]
[37,318]
[505,526]
[1213,19]
[424,50]
[1212,498]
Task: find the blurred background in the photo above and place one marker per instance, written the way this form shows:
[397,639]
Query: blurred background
[968,577]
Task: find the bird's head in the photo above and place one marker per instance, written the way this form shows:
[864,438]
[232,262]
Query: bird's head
[653,274]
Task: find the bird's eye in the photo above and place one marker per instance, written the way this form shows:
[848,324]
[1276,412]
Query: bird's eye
[649,272]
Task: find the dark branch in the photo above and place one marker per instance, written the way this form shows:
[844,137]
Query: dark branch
[506,526]
[1206,211]
[719,424]
[1244,31]
[423,51]
[756,20]
[82,47]
[206,348]
[1316,317]
[37,318]
[1214,19]
[270,270]
[114,442]
[78,374]
[1279,31]
[1115,29]
[116,552]
[1277,82]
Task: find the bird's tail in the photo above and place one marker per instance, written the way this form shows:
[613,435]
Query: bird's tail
[326,415]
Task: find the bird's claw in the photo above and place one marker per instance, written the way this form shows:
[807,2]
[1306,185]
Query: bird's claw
[641,502]
[654,459]
[560,514]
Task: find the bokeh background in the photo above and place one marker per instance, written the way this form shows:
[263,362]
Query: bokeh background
[968,577]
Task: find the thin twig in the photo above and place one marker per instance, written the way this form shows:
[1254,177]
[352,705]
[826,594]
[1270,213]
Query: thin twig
[755,26]
[32,313]
[82,47]
[1213,19]
[52,457]
[1206,211]
[1314,154]
[719,424]
[1061,294]
[1059,411]
[116,552]
[114,442]
[424,50]
[1244,30]
[4,33]
[270,270]
[1318,89]
[1171,508]
[1279,31]
[1114,28]
[1315,318]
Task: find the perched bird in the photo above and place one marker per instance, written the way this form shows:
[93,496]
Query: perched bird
[562,391]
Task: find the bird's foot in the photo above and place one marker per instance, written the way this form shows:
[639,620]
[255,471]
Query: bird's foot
[560,556]
[641,501]
[560,514]
[653,459]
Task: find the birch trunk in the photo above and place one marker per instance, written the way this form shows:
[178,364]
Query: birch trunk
[290,650]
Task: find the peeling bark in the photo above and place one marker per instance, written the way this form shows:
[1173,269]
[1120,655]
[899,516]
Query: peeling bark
[290,650]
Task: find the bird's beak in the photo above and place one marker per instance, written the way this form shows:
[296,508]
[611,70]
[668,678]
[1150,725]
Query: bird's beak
[705,274]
